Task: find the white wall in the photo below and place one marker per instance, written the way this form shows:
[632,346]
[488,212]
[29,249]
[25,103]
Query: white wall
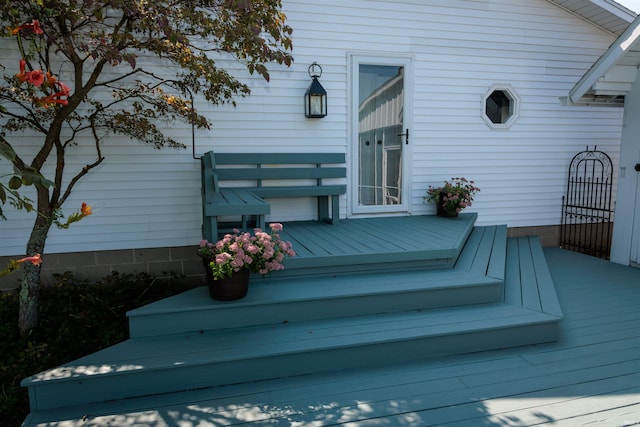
[460,48]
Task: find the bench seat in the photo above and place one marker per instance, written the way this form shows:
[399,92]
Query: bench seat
[233,201]
[230,201]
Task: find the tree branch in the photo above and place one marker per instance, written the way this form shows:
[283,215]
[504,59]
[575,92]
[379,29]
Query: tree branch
[85,170]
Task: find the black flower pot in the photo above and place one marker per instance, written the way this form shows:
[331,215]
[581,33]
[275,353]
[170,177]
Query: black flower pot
[229,288]
[442,211]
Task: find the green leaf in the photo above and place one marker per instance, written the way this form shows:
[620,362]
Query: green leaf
[41,181]
[15,182]
[33,177]
[3,196]
[27,178]
[7,152]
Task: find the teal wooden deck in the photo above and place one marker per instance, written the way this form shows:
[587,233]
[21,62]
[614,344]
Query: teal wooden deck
[364,352]
[376,244]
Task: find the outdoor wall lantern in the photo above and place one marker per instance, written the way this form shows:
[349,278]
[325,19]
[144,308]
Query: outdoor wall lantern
[315,98]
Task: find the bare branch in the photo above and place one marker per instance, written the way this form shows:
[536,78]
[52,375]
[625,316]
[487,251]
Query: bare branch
[85,170]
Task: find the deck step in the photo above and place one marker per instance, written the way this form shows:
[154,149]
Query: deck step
[290,341]
[175,363]
[527,267]
[474,280]
[314,299]
[376,244]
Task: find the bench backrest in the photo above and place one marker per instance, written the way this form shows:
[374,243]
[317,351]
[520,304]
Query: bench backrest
[274,166]
[208,175]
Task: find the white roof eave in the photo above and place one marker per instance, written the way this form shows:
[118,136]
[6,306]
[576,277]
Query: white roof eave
[609,59]
[608,15]
[615,8]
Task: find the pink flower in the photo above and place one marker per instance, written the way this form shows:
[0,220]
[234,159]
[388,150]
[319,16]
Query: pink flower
[35,259]
[33,26]
[260,252]
[223,258]
[55,98]
[35,77]
[275,227]
[63,89]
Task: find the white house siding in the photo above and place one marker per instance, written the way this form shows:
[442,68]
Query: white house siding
[145,198]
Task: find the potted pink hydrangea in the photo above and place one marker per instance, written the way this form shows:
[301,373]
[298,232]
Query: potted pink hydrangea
[452,197]
[231,259]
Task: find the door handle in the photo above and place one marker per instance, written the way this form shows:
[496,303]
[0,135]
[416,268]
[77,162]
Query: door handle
[406,136]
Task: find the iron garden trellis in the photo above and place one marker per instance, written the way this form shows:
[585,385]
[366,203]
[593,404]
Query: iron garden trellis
[587,206]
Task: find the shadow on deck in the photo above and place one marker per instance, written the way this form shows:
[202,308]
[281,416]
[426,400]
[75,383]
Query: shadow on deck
[360,293]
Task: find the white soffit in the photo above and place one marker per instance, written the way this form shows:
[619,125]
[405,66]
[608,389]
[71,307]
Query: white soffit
[606,14]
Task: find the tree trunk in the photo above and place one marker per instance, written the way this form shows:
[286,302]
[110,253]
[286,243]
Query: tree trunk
[30,284]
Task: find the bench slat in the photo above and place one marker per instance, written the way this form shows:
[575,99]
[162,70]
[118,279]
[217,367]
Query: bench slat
[300,191]
[280,173]
[278,158]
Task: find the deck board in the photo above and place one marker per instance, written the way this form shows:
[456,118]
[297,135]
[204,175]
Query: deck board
[497,263]
[530,296]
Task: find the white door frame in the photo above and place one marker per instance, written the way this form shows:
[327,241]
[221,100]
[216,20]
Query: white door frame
[406,61]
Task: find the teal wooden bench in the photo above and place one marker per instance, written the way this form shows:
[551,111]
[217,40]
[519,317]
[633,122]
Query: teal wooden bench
[250,178]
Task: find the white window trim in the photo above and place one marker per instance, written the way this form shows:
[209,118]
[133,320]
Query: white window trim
[515,110]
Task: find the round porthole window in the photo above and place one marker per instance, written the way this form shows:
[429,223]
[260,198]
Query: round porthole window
[500,106]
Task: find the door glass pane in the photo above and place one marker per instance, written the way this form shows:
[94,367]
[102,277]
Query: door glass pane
[380,128]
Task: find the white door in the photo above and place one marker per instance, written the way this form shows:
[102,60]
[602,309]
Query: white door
[380,134]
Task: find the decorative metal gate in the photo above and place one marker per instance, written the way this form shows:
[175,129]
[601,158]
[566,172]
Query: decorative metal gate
[587,211]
